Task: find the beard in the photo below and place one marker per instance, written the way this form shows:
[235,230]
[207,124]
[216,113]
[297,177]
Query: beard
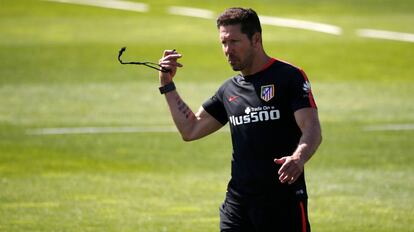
[239,64]
[236,66]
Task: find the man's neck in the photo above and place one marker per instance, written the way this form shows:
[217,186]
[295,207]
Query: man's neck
[257,64]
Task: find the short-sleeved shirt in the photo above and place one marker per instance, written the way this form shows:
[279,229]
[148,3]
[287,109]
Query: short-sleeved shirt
[260,111]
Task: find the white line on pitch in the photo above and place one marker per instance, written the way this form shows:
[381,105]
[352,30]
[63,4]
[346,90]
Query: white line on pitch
[98,130]
[112,4]
[207,14]
[390,35]
[269,20]
[191,12]
[301,24]
[104,130]
[390,127]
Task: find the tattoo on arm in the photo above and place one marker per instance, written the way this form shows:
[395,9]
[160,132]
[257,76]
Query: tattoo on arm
[183,108]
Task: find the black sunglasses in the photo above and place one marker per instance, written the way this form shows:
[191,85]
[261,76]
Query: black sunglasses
[148,64]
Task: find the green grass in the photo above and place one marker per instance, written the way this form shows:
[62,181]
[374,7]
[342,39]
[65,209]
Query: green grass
[58,69]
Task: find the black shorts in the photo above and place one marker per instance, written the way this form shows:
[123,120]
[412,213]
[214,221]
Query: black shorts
[264,213]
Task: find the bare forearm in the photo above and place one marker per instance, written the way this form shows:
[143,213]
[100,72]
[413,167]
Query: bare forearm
[292,166]
[308,122]
[184,118]
[191,126]
[309,142]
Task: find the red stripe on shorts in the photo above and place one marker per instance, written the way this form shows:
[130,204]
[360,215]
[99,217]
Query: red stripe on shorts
[302,209]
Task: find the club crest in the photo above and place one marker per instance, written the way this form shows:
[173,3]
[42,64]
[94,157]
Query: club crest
[267,92]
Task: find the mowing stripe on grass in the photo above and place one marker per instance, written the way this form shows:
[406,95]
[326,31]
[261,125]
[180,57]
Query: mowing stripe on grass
[390,127]
[191,12]
[112,4]
[390,35]
[301,24]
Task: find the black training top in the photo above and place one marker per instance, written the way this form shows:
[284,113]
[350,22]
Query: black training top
[260,110]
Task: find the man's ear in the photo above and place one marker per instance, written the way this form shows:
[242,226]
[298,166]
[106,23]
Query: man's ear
[257,39]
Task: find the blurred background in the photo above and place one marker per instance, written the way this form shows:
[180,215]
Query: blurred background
[87,144]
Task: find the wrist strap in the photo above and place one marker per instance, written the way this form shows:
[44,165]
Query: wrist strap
[167,88]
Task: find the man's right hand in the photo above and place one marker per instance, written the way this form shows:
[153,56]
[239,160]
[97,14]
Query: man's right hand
[169,62]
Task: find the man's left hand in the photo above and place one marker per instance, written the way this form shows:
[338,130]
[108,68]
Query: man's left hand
[291,169]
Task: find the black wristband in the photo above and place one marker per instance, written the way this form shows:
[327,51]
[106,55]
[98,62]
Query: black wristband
[167,88]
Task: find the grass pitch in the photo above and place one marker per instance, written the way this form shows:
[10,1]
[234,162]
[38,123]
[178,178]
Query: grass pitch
[58,69]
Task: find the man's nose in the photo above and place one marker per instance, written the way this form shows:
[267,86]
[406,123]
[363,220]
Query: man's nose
[227,49]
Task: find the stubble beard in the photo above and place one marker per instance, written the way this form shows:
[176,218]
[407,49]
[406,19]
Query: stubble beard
[236,67]
[241,65]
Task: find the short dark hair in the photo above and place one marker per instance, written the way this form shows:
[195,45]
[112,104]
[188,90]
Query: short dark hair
[247,18]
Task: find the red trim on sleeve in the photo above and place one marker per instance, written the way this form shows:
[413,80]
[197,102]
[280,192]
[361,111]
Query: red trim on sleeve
[311,99]
[303,215]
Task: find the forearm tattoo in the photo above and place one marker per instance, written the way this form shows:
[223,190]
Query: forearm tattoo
[183,108]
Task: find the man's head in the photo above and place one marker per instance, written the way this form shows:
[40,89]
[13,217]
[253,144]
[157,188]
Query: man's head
[241,38]
[247,18]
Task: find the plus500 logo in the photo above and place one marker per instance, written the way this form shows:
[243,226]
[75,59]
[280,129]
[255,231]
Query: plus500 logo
[258,114]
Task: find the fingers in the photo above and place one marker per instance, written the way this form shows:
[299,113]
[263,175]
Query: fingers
[169,63]
[170,55]
[168,52]
[290,170]
[169,60]
[280,161]
[290,175]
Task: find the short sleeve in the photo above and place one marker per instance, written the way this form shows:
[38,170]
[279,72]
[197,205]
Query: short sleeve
[301,91]
[214,106]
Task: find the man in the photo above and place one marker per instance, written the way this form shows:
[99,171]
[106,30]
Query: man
[274,126]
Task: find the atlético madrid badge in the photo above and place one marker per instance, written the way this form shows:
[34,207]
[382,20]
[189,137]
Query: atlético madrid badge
[267,92]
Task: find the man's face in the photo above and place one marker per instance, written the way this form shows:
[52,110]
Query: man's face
[237,47]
